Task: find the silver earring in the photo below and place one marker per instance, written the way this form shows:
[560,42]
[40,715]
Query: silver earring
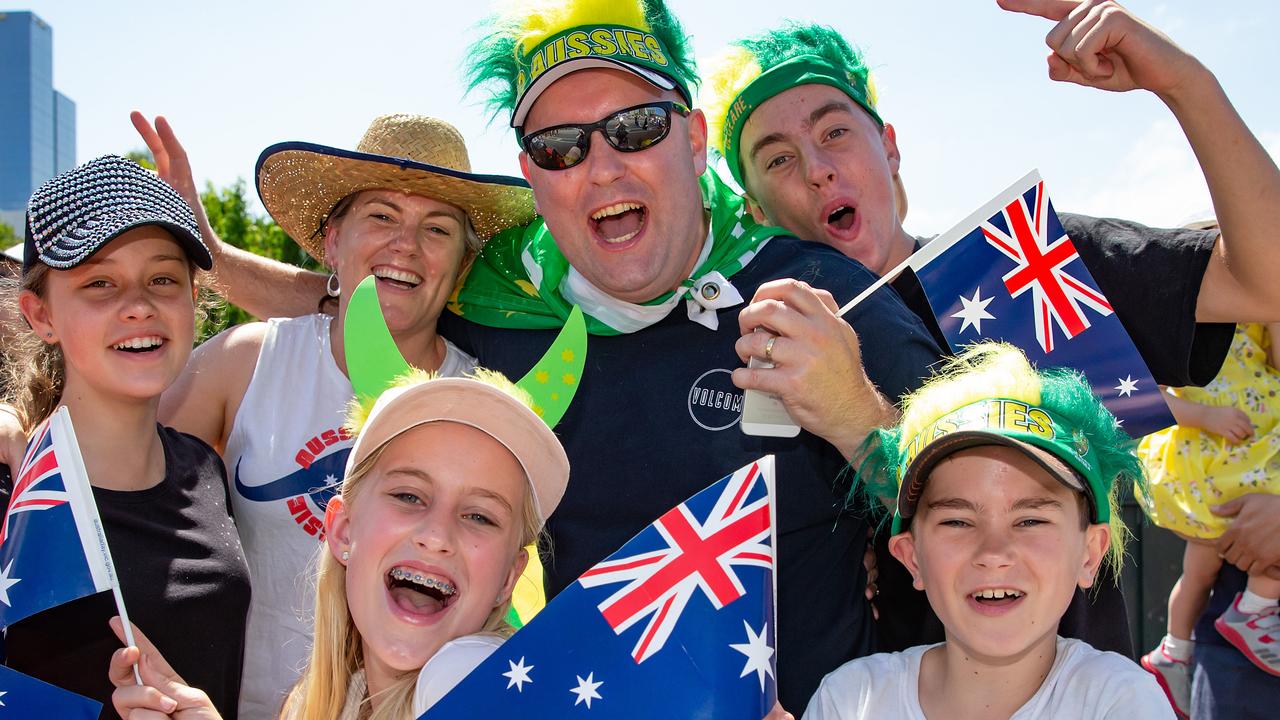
[332,286]
[345,556]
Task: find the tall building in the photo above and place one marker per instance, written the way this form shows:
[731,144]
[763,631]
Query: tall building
[37,123]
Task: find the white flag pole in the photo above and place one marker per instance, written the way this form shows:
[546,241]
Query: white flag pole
[85,511]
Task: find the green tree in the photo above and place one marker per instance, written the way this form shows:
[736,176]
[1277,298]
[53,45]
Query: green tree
[8,237]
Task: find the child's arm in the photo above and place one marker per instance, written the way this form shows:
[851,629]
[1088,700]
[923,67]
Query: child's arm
[1231,423]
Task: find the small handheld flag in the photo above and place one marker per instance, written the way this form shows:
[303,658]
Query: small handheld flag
[678,623]
[26,697]
[1010,273]
[52,546]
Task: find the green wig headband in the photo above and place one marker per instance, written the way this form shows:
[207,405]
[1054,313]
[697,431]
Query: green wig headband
[527,46]
[756,68]
[990,394]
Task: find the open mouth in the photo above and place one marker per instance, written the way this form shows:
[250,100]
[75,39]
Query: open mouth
[419,592]
[619,222]
[402,279]
[997,597]
[843,217]
[140,344]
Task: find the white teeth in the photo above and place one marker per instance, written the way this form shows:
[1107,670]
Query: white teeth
[997,594]
[622,238]
[139,343]
[419,578]
[615,209]
[403,276]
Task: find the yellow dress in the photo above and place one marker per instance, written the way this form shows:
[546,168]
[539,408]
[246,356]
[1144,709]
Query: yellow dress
[1190,469]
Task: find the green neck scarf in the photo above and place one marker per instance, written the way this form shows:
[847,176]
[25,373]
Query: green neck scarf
[520,278]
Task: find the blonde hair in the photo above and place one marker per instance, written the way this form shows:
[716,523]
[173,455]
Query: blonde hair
[998,370]
[336,653]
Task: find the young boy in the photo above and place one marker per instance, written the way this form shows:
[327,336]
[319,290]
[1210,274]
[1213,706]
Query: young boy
[1004,478]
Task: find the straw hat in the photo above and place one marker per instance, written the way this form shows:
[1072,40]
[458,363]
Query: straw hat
[300,183]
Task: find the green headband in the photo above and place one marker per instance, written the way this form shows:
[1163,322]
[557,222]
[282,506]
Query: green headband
[799,70]
[1000,418]
[616,44]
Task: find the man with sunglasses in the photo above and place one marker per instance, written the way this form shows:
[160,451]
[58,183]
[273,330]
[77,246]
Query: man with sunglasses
[662,257]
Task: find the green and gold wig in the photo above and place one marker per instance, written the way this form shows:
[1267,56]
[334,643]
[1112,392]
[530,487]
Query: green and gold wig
[990,389]
[525,40]
[756,68]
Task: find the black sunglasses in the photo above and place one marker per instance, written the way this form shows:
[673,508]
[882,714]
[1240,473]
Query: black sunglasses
[629,130]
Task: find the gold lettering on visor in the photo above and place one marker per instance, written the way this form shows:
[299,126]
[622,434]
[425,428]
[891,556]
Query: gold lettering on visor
[577,42]
[635,40]
[604,42]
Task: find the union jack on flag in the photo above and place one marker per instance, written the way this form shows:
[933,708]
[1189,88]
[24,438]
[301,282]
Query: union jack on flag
[687,605]
[52,548]
[1040,266]
[1010,273]
[700,555]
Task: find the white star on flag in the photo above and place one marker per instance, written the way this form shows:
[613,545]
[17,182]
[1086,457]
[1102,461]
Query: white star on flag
[330,479]
[519,675]
[2,694]
[758,652]
[6,582]
[1127,385]
[586,690]
[974,311]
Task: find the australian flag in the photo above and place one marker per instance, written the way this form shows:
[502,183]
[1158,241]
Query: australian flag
[52,547]
[678,623]
[1009,272]
[23,697]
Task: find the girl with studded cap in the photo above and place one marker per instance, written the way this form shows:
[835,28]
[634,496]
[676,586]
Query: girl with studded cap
[108,295]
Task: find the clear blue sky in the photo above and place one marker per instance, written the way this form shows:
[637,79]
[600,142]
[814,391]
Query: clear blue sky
[964,83]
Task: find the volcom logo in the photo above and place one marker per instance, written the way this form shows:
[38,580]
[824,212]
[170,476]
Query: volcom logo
[715,403]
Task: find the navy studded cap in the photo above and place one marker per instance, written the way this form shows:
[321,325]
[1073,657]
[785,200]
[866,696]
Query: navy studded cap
[75,214]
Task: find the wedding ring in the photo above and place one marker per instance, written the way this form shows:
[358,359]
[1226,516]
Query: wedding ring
[768,349]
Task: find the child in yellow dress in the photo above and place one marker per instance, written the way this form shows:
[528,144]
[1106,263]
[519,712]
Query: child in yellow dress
[1226,444]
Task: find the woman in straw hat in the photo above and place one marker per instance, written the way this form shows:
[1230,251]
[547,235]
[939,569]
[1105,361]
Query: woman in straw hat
[449,480]
[404,208]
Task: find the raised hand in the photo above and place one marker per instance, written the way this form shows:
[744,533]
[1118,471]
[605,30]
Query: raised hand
[1101,44]
[174,168]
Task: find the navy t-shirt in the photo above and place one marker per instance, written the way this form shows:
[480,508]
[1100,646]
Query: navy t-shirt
[656,420]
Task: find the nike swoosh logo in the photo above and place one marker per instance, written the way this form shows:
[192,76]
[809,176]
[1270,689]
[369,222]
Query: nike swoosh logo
[313,481]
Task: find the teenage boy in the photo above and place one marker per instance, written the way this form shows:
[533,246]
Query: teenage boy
[1005,482]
